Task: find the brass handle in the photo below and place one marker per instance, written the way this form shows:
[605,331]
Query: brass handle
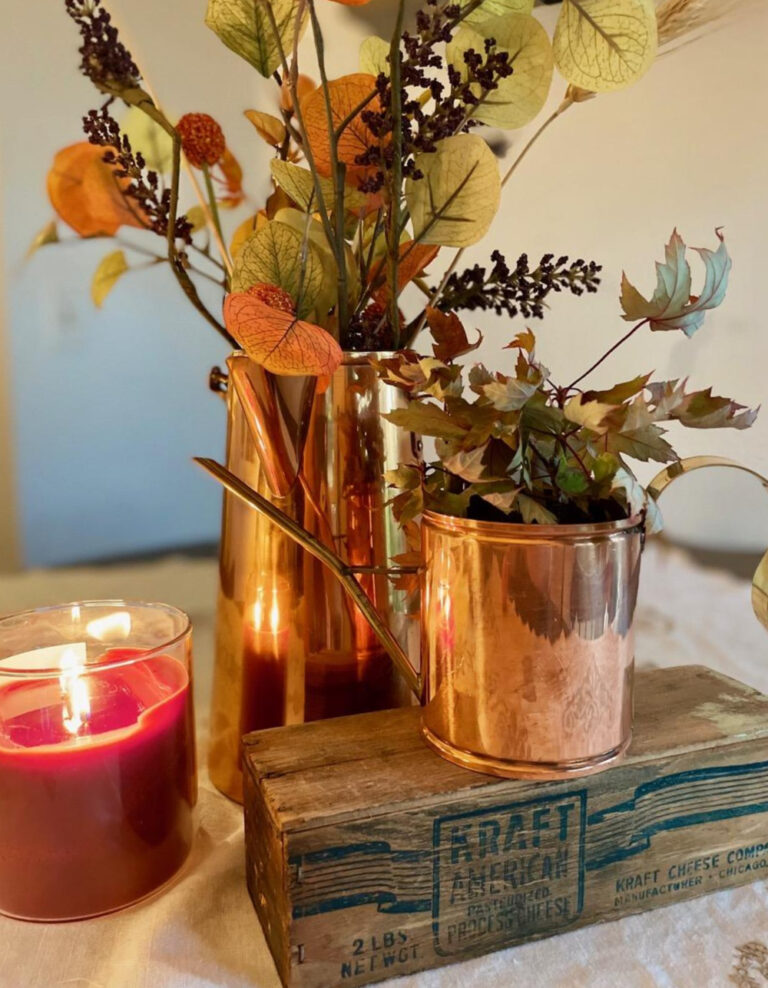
[664,478]
[344,574]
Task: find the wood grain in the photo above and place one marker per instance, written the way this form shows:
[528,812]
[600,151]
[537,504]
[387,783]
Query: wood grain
[369,856]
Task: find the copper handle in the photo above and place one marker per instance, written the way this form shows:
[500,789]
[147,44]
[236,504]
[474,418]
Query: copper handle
[664,478]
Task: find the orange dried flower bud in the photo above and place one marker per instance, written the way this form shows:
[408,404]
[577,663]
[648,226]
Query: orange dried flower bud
[202,139]
[273,296]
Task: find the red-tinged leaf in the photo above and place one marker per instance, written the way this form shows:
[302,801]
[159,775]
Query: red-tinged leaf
[450,337]
[413,259]
[523,341]
[619,392]
[278,340]
[672,305]
[698,409]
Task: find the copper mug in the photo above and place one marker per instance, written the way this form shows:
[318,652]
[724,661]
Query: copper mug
[527,635]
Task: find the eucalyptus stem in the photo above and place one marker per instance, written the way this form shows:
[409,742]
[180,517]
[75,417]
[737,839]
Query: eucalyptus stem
[396,107]
[338,176]
[212,199]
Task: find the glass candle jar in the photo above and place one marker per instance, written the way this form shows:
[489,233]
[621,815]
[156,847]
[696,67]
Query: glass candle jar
[97,756]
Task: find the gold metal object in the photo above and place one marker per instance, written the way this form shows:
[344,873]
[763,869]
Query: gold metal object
[290,645]
[664,478]
[528,644]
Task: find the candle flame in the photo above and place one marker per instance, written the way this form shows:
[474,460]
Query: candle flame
[76,709]
[111,627]
[259,612]
[274,613]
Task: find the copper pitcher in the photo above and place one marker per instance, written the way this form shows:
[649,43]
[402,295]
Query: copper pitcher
[290,645]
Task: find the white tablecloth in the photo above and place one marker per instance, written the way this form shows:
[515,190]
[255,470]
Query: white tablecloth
[203,932]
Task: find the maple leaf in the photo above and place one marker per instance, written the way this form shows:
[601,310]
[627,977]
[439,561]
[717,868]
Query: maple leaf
[278,340]
[427,420]
[450,337]
[597,416]
[619,392]
[672,305]
[698,409]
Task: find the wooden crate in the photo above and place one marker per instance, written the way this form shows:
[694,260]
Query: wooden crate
[368,856]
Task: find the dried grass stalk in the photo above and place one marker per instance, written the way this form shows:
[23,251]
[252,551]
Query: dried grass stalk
[678,18]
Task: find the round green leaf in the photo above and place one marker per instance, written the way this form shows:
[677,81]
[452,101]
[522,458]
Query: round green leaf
[245,27]
[148,137]
[603,45]
[496,8]
[519,97]
[273,256]
[457,198]
[374,56]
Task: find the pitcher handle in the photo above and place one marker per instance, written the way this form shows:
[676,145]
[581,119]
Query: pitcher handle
[664,478]
[344,574]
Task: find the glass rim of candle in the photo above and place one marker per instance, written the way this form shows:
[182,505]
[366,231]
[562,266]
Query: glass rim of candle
[97,664]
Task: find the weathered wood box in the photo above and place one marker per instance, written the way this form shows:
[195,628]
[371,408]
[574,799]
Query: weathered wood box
[368,856]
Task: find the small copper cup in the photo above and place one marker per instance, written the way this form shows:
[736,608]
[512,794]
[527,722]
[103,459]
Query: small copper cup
[528,644]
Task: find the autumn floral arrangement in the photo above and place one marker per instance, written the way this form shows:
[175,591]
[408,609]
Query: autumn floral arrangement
[373,175]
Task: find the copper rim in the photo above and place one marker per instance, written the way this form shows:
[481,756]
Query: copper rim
[539,771]
[510,531]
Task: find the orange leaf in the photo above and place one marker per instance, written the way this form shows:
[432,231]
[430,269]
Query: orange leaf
[244,230]
[268,127]
[279,341]
[233,180]
[86,193]
[346,94]
[413,259]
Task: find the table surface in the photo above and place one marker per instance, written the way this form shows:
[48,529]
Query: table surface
[202,930]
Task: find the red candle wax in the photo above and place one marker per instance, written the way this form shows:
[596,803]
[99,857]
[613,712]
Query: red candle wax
[265,666]
[98,814]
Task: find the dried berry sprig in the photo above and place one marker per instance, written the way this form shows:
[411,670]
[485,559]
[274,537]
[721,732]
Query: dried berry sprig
[518,290]
[105,59]
[451,106]
[143,191]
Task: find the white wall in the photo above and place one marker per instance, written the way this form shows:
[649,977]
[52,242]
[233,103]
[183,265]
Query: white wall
[110,405]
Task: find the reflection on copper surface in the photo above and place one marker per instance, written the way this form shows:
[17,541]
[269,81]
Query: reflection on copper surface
[323,660]
[527,638]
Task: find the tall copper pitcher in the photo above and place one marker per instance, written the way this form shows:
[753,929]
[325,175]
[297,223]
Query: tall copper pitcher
[528,643]
[290,646]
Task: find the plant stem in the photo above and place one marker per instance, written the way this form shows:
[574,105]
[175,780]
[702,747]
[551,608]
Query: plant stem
[338,175]
[186,283]
[212,200]
[607,354]
[291,73]
[396,175]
